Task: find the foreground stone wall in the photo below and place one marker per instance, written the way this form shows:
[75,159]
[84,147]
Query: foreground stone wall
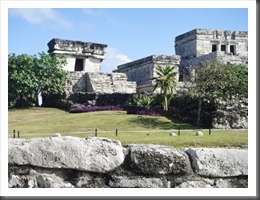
[71,162]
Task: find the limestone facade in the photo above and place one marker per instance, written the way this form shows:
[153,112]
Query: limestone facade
[200,45]
[143,70]
[80,56]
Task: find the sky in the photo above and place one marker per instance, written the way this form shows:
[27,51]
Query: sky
[130,33]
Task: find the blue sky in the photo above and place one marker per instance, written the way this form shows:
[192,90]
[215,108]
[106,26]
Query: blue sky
[130,33]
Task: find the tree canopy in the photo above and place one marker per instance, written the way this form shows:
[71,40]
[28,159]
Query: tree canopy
[215,81]
[165,80]
[28,75]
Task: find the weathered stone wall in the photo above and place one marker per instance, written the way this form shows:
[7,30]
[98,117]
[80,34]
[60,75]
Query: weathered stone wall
[85,99]
[105,83]
[80,56]
[110,83]
[217,115]
[205,38]
[78,83]
[185,45]
[143,70]
[70,162]
[194,45]
[214,56]
[233,116]
[80,99]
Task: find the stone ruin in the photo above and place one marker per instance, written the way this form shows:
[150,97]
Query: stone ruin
[143,70]
[192,48]
[84,63]
[80,56]
[200,45]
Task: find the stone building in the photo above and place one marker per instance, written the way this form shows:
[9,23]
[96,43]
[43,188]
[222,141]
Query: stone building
[80,56]
[192,49]
[143,70]
[84,64]
[200,45]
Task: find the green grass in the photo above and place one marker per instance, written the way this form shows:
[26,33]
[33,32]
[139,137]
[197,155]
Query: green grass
[44,122]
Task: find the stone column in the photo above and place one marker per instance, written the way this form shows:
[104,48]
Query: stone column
[218,47]
[227,48]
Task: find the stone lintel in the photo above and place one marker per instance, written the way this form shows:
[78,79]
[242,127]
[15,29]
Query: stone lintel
[196,33]
[76,54]
[79,47]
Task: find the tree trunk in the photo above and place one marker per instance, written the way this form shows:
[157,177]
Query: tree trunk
[37,99]
[166,103]
[199,112]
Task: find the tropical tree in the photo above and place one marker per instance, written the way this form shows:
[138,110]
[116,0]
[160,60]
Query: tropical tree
[216,81]
[29,75]
[165,81]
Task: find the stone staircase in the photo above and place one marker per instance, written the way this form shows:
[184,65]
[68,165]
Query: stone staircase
[99,83]
[109,83]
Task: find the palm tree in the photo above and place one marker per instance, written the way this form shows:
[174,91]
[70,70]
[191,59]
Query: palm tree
[165,80]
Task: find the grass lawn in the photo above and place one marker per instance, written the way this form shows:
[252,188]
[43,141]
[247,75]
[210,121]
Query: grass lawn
[44,122]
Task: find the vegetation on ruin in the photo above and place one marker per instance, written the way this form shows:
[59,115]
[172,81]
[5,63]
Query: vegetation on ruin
[44,122]
[214,81]
[30,75]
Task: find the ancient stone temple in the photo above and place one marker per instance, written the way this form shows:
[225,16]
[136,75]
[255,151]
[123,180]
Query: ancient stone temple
[84,64]
[143,70]
[80,56]
[192,49]
[200,45]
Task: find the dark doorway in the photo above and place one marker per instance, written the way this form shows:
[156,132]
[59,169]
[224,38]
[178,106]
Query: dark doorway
[79,65]
[214,47]
[232,49]
[223,48]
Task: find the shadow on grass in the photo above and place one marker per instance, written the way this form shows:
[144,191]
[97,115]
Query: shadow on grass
[154,123]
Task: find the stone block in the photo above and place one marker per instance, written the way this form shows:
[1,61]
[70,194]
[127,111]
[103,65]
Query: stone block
[91,154]
[157,159]
[210,162]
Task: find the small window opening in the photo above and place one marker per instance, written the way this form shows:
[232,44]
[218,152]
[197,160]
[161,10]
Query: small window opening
[79,65]
[214,47]
[232,49]
[223,48]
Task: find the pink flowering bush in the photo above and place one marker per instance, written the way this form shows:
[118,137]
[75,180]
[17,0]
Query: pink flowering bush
[93,108]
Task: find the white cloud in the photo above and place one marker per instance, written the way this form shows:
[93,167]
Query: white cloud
[101,14]
[94,12]
[42,16]
[113,59]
